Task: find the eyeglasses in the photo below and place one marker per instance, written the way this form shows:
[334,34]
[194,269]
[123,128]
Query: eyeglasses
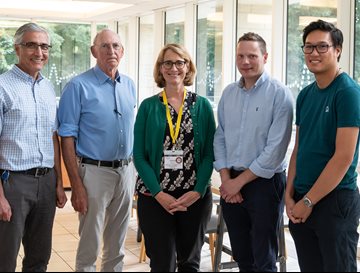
[34,46]
[114,46]
[169,64]
[320,48]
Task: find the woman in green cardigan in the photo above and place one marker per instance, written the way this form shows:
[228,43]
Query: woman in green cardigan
[173,154]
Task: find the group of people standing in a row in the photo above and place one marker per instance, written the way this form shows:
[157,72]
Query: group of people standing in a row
[174,143]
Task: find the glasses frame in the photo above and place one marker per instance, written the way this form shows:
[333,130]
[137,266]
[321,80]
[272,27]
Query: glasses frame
[34,46]
[179,64]
[109,46]
[317,48]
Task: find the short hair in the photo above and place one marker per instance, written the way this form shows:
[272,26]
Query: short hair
[183,53]
[254,37]
[29,27]
[106,30]
[335,33]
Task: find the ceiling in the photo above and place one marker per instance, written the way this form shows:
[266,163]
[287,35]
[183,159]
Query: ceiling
[80,10]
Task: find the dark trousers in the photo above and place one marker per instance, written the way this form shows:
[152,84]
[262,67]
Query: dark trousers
[174,240]
[253,224]
[327,241]
[33,203]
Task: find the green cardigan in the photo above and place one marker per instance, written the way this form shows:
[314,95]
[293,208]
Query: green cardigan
[149,134]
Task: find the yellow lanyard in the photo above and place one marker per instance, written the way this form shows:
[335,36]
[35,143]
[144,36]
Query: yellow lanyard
[175,135]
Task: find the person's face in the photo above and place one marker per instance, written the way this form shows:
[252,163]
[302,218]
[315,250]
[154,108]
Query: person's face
[174,68]
[249,60]
[317,62]
[31,58]
[108,51]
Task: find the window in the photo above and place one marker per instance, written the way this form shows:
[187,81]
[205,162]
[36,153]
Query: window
[123,31]
[146,61]
[256,17]
[300,14]
[69,56]
[209,50]
[174,30]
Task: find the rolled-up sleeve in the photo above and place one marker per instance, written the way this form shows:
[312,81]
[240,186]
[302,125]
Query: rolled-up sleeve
[69,111]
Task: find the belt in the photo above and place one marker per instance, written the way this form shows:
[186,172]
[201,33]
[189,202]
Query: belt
[37,172]
[113,164]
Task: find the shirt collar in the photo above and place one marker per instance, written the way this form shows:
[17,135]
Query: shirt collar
[25,76]
[263,78]
[102,77]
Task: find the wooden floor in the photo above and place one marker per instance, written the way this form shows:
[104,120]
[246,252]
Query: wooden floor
[65,239]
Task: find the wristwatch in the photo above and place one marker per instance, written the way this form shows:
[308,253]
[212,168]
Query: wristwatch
[307,202]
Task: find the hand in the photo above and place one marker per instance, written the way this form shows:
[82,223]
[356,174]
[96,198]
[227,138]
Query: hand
[186,200]
[5,210]
[61,197]
[79,199]
[167,201]
[237,198]
[299,212]
[229,189]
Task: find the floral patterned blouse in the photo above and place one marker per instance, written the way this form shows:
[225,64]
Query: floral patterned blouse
[177,179]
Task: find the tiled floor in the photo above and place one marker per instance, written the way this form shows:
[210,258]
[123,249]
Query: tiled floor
[65,239]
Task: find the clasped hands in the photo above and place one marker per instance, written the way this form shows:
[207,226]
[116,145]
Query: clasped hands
[172,205]
[230,191]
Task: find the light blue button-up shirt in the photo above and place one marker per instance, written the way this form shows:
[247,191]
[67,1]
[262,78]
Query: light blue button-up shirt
[254,127]
[99,113]
[27,121]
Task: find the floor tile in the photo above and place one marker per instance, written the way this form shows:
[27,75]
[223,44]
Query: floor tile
[65,240]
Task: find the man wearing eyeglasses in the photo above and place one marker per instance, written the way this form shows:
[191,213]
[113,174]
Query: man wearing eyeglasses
[322,198]
[31,185]
[96,115]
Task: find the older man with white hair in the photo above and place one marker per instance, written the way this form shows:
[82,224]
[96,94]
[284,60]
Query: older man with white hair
[96,115]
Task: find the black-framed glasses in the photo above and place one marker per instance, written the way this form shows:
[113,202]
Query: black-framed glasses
[169,64]
[34,46]
[320,48]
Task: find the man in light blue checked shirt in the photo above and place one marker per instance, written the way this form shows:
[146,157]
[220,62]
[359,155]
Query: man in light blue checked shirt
[97,115]
[31,184]
[254,129]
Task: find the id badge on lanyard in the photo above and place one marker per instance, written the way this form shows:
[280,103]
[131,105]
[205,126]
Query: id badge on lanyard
[174,159]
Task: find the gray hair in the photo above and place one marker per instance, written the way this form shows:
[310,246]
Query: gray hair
[29,27]
[106,30]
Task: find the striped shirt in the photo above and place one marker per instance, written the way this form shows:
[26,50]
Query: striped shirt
[27,121]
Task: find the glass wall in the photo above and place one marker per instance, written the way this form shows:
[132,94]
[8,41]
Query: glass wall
[7,53]
[174,26]
[256,16]
[69,56]
[146,59]
[123,31]
[300,14]
[209,50]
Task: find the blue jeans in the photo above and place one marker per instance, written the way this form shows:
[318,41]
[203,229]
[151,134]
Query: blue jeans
[327,241]
[253,225]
